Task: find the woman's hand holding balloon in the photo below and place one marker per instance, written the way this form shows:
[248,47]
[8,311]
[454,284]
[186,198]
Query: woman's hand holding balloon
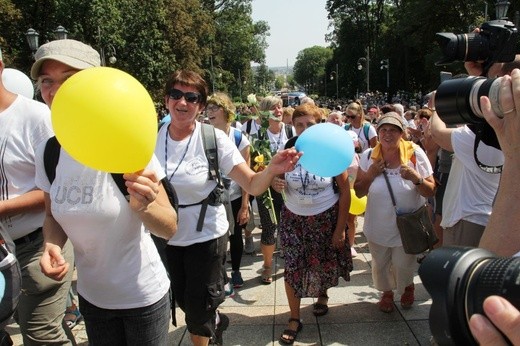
[143,186]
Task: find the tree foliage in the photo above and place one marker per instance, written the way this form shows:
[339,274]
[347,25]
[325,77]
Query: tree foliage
[309,69]
[401,31]
[150,39]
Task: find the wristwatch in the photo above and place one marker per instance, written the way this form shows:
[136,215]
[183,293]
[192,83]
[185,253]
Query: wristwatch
[420,182]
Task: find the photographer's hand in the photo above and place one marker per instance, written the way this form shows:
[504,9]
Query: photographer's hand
[505,318]
[506,125]
[502,233]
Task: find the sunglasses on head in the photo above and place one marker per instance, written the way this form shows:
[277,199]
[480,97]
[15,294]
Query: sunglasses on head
[190,97]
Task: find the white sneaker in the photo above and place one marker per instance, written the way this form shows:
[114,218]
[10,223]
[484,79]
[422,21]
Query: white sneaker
[249,246]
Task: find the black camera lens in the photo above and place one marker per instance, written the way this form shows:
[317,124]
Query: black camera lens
[457,101]
[462,47]
[496,42]
[459,279]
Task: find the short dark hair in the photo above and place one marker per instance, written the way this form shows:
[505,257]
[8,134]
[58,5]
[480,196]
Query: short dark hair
[190,79]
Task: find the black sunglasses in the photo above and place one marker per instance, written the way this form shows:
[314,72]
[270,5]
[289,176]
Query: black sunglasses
[351,116]
[190,97]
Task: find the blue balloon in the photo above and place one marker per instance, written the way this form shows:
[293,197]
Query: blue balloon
[327,149]
[2,285]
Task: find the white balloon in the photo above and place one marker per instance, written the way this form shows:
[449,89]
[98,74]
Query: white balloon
[17,82]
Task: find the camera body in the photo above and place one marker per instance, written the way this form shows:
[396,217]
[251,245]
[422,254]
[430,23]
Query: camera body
[459,279]
[496,42]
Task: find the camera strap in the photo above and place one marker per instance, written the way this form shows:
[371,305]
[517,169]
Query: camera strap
[485,168]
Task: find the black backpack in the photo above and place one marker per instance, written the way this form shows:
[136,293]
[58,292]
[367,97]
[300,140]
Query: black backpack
[51,157]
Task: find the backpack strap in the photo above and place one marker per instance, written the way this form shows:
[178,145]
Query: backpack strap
[209,142]
[289,131]
[51,156]
[238,136]
[120,182]
[366,129]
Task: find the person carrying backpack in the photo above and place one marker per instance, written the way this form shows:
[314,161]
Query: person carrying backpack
[356,122]
[196,252]
[123,286]
[278,133]
[220,111]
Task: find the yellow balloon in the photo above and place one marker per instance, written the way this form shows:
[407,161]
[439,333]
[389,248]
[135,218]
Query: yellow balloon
[357,205]
[105,119]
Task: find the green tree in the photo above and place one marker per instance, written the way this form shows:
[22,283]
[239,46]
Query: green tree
[238,41]
[309,68]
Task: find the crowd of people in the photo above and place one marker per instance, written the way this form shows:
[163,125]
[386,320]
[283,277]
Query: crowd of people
[128,292]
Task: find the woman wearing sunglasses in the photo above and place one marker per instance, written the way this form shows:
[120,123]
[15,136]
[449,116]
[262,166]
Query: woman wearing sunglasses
[195,254]
[356,122]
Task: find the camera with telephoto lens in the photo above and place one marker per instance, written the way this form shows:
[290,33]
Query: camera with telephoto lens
[457,101]
[459,279]
[496,42]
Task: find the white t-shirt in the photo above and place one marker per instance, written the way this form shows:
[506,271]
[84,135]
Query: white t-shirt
[470,191]
[23,126]
[360,132]
[116,259]
[277,140]
[235,191]
[380,226]
[187,160]
[308,194]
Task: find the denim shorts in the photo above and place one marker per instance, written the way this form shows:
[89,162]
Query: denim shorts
[138,326]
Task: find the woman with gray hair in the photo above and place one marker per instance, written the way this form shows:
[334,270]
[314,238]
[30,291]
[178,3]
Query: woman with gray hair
[278,134]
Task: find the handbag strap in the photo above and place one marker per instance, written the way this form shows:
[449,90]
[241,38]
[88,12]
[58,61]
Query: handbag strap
[390,190]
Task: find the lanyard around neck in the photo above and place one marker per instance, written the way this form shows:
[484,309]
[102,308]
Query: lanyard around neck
[166,153]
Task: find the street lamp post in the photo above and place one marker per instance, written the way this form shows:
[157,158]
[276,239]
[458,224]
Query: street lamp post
[33,38]
[111,51]
[385,64]
[365,61]
[501,7]
[337,80]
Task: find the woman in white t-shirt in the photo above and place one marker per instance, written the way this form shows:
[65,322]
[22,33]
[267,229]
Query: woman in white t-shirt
[221,113]
[364,130]
[122,283]
[313,226]
[195,253]
[411,177]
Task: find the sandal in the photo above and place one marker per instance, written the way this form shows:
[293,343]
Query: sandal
[72,316]
[408,297]
[267,273]
[386,304]
[321,309]
[288,336]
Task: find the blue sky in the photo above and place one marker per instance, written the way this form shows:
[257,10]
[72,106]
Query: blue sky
[295,25]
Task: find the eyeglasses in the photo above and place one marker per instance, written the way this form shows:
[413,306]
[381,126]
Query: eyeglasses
[190,97]
[351,116]
[212,108]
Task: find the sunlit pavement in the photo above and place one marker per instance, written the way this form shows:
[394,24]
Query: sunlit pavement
[259,313]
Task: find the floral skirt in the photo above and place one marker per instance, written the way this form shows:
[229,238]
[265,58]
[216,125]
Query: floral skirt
[312,265]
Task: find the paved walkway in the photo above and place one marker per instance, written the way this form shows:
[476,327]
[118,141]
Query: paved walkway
[259,313]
